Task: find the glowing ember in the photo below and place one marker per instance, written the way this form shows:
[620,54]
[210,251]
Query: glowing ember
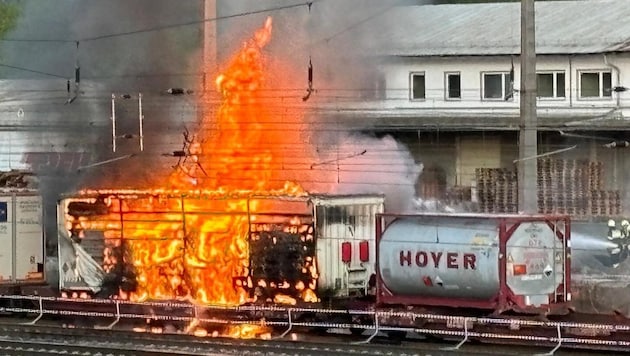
[284,299]
[246,331]
[200,332]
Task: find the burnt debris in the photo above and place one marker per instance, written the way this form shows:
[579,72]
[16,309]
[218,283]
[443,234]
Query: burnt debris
[79,208]
[280,260]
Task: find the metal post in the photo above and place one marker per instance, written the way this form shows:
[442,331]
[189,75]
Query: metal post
[41,313]
[377,329]
[528,140]
[558,345]
[290,325]
[140,120]
[110,326]
[113,123]
[456,347]
[209,39]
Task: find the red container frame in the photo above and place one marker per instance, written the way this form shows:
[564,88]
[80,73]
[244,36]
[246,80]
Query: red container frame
[505,299]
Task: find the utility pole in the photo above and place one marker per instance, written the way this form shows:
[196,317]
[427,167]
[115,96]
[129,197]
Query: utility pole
[209,65]
[528,134]
[209,41]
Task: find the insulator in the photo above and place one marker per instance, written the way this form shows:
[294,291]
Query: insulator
[310,71]
[176,91]
[617,144]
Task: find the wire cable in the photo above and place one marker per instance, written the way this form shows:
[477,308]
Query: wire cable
[196,22]
[160,28]
[33,71]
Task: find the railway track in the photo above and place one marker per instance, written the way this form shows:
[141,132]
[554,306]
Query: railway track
[458,330]
[48,339]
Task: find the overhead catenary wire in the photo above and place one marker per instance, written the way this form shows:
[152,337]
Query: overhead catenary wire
[33,71]
[162,27]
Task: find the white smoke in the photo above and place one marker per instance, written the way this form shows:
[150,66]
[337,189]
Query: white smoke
[359,164]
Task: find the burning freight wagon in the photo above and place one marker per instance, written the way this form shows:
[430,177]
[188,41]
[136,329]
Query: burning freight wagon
[214,247]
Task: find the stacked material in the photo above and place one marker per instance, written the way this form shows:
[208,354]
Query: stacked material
[497,190]
[563,185]
[17,179]
[570,186]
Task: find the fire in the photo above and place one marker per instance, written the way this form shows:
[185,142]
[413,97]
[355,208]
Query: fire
[200,260]
[191,241]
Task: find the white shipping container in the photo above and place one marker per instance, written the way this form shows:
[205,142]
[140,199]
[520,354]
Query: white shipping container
[21,237]
[348,220]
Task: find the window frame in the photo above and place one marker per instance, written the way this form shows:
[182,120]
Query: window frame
[504,75]
[447,88]
[600,73]
[411,87]
[554,89]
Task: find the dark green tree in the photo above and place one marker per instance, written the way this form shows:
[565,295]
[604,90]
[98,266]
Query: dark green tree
[8,17]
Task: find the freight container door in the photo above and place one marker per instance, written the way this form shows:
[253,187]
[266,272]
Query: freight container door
[29,239]
[6,239]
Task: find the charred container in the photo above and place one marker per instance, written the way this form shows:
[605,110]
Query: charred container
[494,262]
[300,248]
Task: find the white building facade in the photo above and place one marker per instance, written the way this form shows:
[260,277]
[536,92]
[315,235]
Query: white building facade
[448,84]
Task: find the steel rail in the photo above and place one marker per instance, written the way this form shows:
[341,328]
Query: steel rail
[192,312]
[33,338]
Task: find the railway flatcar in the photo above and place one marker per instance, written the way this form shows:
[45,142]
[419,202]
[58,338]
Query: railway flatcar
[210,248]
[342,252]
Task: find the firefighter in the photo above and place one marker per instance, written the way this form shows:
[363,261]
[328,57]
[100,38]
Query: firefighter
[613,233]
[618,236]
[625,229]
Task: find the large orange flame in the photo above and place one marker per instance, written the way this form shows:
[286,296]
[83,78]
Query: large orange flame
[191,240]
[199,261]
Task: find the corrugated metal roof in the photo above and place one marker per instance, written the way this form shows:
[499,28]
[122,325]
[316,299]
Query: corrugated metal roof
[562,27]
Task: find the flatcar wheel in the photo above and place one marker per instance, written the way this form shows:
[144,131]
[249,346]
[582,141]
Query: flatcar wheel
[397,336]
[319,331]
[433,338]
[356,331]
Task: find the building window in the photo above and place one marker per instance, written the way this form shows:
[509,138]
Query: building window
[417,86]
[595,84]
[496,86]
[550,85]
[453,85]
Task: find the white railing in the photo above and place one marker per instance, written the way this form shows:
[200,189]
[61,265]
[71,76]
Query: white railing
[463,324]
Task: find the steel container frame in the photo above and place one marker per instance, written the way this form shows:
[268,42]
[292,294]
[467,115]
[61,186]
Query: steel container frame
[505,299]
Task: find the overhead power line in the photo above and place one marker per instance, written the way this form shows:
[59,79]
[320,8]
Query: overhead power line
[33,71]
[161,28]
[52,40]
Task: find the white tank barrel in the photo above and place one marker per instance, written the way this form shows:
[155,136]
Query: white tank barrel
[460,257]
[440,259]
